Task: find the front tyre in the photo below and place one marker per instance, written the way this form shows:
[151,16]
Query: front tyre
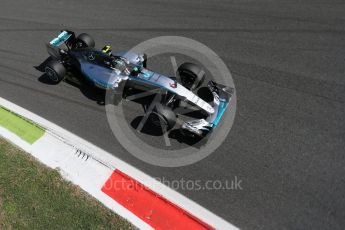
[55,71]
[191,75]
[162,116]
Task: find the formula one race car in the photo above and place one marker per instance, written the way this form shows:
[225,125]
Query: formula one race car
[108,71]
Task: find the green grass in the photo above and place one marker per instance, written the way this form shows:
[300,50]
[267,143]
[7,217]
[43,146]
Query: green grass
[35,197]
[19,126]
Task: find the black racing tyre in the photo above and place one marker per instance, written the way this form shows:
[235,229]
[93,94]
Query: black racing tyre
[191,75]
[55,71]
[162,116]
[145,61]
[205,94]
[84,40]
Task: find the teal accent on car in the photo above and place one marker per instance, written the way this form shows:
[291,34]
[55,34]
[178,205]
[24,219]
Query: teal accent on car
[63,36]
[146,75]
[221,109]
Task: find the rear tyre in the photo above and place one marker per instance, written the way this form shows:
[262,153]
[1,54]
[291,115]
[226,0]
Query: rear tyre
[162,116]
[84,40]
[191,75]
[55,71]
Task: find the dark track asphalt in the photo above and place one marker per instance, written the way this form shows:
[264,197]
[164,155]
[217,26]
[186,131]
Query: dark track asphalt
[287,60]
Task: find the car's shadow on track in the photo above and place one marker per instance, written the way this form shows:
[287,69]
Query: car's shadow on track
[172,134]
[44,78]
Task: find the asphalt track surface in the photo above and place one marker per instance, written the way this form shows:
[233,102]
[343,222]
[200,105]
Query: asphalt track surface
[287,60]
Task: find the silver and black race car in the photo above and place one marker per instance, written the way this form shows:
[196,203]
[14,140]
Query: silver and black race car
[120,72]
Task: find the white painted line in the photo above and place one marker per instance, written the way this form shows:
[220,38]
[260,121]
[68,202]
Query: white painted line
[112,163]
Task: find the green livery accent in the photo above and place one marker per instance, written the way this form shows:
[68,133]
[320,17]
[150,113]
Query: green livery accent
[23,128]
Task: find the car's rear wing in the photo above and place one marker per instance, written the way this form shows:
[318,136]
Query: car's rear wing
[54,46]
[65,37]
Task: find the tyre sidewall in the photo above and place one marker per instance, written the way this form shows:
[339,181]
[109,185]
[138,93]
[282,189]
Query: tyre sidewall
[55,71]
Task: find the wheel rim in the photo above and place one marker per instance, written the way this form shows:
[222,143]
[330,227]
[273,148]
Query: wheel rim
[51,74]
